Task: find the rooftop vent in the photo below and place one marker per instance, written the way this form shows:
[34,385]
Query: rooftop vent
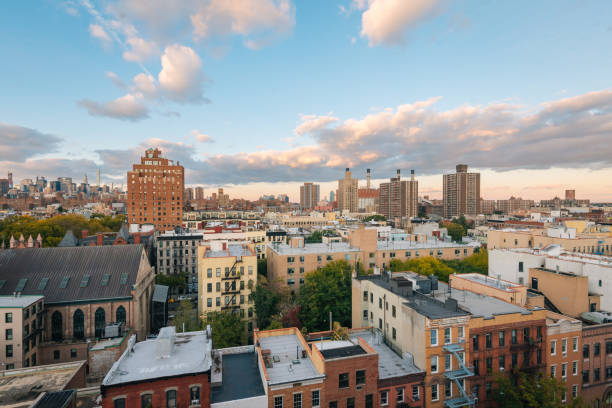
[165,342]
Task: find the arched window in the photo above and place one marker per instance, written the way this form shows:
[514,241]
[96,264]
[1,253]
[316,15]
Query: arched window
[120,315]
[56,326]
[78,324]
[100,322]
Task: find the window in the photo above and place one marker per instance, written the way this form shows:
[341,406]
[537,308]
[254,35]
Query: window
[596,374]
[56,326]
[514,337]
[502,338]
[146,401]
[278,401]
[415,392]
[360,377]
[393,311]
[475,342]
[553,347]
[171,399]
[8,318]
[488,389]
[585,376]
[384,397]
[369,401]
[120,314]
[539,356]
[380,303]
[399,392]
[56,354]
[447,335]
[365,295]
[514,357]
[365,315]
[297,400]
[434,392]
[575,344]
[489,362]
[608,372]
[119,403]
[585,351]
[350,402]
[9,334]
[394,333]
[447,362]
[563,370]
[575,368]
[609,347]
[553,371]
[526,335]
[343,380]
[73,353]
[488,340]
[574,391]
[209,302]
[333,404]
[460,332]
[434,337]
[448,390]
[100,322]
[316,398]
[520,266]
[564,346]
[596,349]
[9,350]
[476,364]
[434,364]
[502,363]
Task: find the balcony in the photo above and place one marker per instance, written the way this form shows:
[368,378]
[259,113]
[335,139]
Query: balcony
[460,401]
[458,374]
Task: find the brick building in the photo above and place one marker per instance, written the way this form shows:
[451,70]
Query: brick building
[21,319]
[399,198]
[597,365]
[172,370]
[155,191]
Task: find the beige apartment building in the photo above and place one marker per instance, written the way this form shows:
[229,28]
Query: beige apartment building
[309,195]
[21,320]
[288,264]
[348,192]
[568,239]
[399,198]
[461,192]
[226,275]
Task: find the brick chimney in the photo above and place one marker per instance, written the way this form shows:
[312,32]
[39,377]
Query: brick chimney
[99,239]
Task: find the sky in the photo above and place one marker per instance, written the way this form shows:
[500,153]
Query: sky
[258,96]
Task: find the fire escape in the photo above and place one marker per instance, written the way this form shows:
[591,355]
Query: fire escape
[458,376]
[231,287]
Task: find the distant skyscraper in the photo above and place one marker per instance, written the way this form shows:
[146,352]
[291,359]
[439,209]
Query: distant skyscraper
[570,194]
[155,191]
[309,195]
[85,179]
[98,178]
[199,193]
[399,198]
[332,196]
[10,179]
[347,192]
[188,196]
[461,192]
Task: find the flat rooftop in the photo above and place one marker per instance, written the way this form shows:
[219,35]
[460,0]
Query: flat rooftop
[20,387]
[413,245]
[506,286]
[478,305]
[335,247]
[284,350]
[232,250]
[190,354]
[241,378]
[339,349]
[19,301]
[565,255]
[390,364]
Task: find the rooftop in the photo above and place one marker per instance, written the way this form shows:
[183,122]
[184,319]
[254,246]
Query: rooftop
[232,250]
[412,245]
[339,349]
[186,353]
[285,352]
[18,301]
[335,247]
[562,254]
[389,363]
[241,378]
[22,386]
[504,285]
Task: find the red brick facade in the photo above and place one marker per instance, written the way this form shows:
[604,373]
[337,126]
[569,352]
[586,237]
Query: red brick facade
[596,388]
[158,389]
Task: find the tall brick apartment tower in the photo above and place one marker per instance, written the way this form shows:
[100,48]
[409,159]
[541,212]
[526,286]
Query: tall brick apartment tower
[461,192]
[155,191]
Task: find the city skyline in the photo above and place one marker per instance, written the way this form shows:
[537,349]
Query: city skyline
[435,87]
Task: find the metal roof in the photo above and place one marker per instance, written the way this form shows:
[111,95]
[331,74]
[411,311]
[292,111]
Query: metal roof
[66,268]
[160,293]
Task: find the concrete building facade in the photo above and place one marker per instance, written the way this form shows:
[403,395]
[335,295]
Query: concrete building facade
[21,320]
[347,192]
[461,192]
[309,195]
[399,198]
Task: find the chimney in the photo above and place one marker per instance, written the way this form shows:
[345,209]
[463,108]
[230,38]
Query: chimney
[398,174]
[84,234]
[368,178]
[412,175]
[99,239]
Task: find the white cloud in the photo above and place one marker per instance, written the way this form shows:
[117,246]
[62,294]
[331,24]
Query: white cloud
[19,143]
[98,32]
[144,84]
[127,107]
[118,82]
[140,50]
[181,77]
[244,17]
[201,137]
[388,21]
[311,123]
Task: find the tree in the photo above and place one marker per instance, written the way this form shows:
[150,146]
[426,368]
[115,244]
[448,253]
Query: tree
[262,267]
[476,263]
[326,290]
[266,302]
[519,390]
[315,238]
[228,329]
[176,283]
[376,217]
[186,315]
[456,231]
[423,266]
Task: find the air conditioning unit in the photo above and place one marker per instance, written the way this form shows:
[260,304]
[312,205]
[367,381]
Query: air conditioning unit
[359,387]
[195,402]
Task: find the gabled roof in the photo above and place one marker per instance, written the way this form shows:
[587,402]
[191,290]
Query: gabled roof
[69,240]
[72,274]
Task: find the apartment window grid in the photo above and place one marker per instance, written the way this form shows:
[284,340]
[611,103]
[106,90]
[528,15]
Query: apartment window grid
[297,400]
[278,401]
[384,398]
[316,398]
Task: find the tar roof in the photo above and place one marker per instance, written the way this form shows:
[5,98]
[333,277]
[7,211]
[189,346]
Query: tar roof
[232,250]
[65,275]
[18,301]
[241,378]
[479,305]
[389,363]
[284,249]
[488,281]
[286,349]
[331,351]
[190,355]
[408,245]
[26,384]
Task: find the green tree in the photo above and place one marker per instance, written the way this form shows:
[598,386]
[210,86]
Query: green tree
[456,231]
[376,217]
[476,263]
[423,266]
[262,267]
[326,290]
[315,238]
[266,302]
[186,317]
[228,329]
[521,390]
[176,283]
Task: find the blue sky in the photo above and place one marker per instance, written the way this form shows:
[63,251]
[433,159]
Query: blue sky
[525,85]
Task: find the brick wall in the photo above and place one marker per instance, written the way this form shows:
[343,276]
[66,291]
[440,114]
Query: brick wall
[350,365]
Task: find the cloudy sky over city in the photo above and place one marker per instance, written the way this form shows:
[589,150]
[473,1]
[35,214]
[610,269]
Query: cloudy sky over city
[260,95]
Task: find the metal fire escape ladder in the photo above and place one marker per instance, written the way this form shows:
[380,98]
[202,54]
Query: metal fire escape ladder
[464,399]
